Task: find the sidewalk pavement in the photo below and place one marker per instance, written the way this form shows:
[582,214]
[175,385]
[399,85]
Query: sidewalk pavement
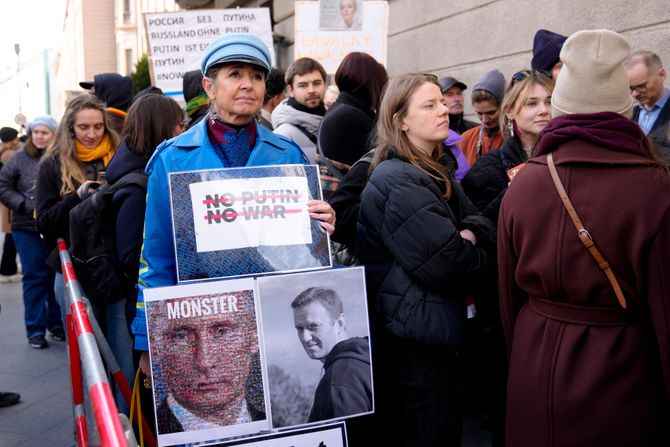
[43,417]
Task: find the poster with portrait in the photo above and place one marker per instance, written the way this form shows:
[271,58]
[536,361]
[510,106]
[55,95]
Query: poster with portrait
[322,30]
[330,435]
[246,221]
[206,361]
[342,15]
[314,323]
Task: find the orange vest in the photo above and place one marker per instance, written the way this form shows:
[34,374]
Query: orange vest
[471,139]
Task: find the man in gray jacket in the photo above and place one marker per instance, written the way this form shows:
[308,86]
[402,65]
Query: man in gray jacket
[299,117]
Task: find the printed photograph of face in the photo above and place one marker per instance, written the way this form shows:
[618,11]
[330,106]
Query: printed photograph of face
[315,330]
[205,362]
[343,15]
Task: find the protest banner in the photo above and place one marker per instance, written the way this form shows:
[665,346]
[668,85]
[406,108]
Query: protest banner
[332,435]
[176,40]
[322,34]
[315,327]
[246,221]
[206,355]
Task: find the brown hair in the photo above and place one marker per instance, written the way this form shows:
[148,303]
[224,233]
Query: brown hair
[63,145]
[362,76]
[483,95]
[150,120]
[391,139]
[301,67]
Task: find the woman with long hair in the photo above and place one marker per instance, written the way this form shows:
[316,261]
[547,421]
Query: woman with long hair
[525,111]
[17,190]
[151,120]
[584,249]
[424,246]
[74,163]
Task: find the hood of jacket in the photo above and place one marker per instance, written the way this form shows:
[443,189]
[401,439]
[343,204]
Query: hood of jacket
[123,162]
[285,114]
[192,84]
[114,90]
[355,348]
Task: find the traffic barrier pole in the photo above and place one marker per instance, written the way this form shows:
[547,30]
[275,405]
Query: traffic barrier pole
[104,408]
[77,388]
[117,374]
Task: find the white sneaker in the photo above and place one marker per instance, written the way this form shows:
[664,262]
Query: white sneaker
[17,277]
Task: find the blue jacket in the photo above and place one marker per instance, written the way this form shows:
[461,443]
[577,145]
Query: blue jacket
[189,151]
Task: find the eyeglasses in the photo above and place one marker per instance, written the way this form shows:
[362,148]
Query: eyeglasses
[640,88]
[523,74]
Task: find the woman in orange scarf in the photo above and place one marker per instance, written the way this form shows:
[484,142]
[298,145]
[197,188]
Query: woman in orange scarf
[74,162]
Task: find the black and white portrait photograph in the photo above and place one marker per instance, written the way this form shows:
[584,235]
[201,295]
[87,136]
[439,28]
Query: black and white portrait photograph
[341,15]
[316,337]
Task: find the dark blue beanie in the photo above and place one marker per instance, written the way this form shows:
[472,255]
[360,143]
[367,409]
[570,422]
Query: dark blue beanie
[546,49]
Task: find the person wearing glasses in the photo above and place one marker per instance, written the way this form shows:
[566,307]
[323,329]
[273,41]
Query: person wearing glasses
[424,247]
[588,366]
[525,111]
[646,76]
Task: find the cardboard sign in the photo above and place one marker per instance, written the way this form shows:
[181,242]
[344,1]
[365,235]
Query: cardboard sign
[177,40]
[246,221]
[330,43]
[251,211]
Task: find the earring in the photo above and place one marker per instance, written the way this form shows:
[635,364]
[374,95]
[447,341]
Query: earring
[510,126]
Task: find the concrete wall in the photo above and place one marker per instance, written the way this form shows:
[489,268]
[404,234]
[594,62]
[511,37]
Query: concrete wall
[466,38]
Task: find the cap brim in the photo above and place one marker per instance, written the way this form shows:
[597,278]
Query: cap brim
[239,60]
[455,84]
[86,85]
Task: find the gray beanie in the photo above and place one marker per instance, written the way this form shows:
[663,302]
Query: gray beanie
[593,78]
[45,120]
[492,82]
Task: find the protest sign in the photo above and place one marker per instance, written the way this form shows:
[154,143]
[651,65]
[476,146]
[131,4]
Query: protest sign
[322,35]
[315,326]
[206,356]
[332,435]
[246,221]
[177,40]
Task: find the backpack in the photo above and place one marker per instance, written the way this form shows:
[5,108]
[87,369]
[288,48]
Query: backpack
[93,244]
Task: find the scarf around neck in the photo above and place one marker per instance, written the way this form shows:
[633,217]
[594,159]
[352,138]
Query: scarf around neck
[232,145]
[605,129]
[103,150]
[320,110]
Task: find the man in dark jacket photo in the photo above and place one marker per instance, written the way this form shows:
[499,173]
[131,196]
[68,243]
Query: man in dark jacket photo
[345,388]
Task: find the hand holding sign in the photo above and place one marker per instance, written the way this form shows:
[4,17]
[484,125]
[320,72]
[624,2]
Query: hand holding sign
[322,211]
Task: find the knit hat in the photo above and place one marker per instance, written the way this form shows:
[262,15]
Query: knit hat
[593,78]
[546,49]
[8,134]
[236,48]
[45,120]
[492,82]
[447,82]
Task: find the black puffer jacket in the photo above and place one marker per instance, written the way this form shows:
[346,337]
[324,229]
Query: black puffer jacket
[418,268]
[486,182]
[17,189]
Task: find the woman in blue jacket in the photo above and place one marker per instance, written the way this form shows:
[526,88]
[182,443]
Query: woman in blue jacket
[424,246]
[234,69]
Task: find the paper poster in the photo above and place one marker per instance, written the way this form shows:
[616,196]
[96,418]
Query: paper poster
[314,325]
[206,355]
[328,30]
[177,40]
[251,211]
[246,221]
[332,435]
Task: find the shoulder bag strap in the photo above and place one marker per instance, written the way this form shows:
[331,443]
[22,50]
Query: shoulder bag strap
[583,233]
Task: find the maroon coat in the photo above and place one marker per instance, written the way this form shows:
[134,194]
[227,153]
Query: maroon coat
[582,371]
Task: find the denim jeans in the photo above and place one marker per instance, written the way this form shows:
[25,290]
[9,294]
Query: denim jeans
[41,309]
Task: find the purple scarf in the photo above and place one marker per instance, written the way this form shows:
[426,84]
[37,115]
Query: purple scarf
[606,129]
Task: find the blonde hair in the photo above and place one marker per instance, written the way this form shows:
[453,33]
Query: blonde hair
[63,145]
[517,92]
[391,139]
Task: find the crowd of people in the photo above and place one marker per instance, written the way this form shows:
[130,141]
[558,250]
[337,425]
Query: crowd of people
[522,256]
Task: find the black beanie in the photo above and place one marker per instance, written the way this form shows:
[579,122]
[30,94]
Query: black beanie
[8,134]
[546,49]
